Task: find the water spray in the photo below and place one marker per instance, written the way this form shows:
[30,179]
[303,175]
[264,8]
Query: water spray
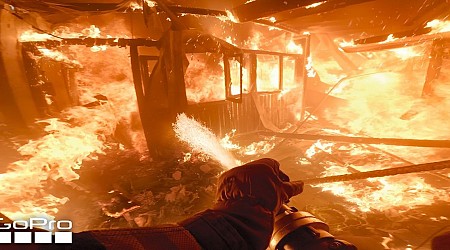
[202,140]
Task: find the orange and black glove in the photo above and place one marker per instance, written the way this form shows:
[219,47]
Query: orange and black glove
[259,182]
[248,198]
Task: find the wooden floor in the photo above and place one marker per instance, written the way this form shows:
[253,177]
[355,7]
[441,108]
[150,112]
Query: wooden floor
[164,192]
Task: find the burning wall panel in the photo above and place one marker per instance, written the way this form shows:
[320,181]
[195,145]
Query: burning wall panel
[204,76]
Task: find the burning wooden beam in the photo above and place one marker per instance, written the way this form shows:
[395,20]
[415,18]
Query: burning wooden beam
[381,173]
[263,8]
[90,42]
[365,140]
[397,43]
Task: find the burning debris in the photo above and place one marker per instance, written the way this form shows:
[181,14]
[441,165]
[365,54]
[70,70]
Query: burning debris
[130,116]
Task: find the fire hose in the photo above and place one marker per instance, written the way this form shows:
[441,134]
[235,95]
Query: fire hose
[300,230]
[294,229]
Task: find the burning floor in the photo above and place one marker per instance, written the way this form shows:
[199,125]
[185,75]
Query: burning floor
[120,189]
[89,163]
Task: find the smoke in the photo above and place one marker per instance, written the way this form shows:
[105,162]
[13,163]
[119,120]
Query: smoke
[202,140]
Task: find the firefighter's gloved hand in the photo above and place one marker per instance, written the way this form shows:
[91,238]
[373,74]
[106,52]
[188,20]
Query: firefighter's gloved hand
[259,182]
[248,198]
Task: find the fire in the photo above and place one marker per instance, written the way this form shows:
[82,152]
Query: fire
[55,156]
[405,53]
[150,3]
[80,133]
[58,56]
[292,47]
[259,148]
[31,35]
[389,103]
[204,77]
[226,142]
[344,43]
[379,194]
[135,6]
[390,38]
[402,193]
[309,67]
[314,5]
[209,69]
[254,42]
[326,147]
[232,17]
[438,26]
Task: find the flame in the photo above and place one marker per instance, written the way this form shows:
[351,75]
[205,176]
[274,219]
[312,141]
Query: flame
[123,212]
[405,53]
[67,32]
[390,38]
[386,241]
[57,56]
[438,26]
[255,148]
[344,43]
[80,133]
[226,142]
[53,157]
[399,192]
[254,42]
[98,48]
[292,47]
[268,74]
[319,145]
[135,6]
[309,67]
[389,104]
[150,3]
[204,77]
[92,31]
[232,17]
[259,148]
[31,35]
[314,5]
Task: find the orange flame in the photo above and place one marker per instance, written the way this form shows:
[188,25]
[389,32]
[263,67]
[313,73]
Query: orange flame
[438,26]
[54,156]
[232,17]
[314,5]
[79,135]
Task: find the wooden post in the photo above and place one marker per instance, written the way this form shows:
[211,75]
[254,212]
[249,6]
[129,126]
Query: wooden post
[15,77]
[434,67]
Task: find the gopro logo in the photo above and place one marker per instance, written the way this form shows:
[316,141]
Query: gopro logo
[63,235]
